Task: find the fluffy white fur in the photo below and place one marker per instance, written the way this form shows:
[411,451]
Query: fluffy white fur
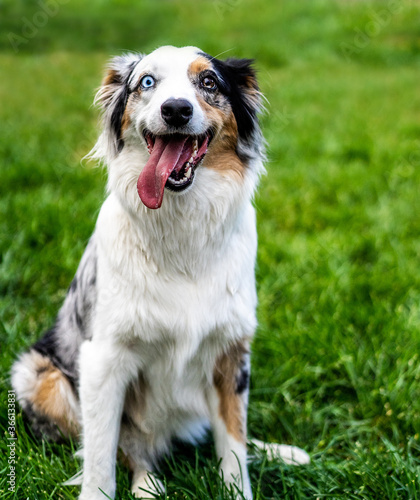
[174,287]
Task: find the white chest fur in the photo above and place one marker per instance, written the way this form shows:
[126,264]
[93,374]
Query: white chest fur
[163,283]
[176,298]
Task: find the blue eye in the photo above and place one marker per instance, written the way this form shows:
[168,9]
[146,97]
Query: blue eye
[147,82]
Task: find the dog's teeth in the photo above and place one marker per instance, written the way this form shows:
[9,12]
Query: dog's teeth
[195,149]
[188,170]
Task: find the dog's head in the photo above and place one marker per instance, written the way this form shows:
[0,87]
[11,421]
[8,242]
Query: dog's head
[177,111]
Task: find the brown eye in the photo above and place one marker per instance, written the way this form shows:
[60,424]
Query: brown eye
[209,83]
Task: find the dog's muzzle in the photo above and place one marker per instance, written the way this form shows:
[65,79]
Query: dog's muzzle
[176,112]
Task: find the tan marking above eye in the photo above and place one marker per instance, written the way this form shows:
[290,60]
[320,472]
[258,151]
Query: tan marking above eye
[198,66]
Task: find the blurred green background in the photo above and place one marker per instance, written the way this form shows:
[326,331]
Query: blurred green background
[336,356]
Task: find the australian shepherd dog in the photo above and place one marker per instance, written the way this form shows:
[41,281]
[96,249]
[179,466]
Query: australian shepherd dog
[152,341]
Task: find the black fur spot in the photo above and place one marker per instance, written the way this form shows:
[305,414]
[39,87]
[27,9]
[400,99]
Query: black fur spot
[47,346]
[79,321]
[40,426]
[116,118]
[41,370]
[119,108]
[236,77]
[92,281]
[73,285]
[242,380]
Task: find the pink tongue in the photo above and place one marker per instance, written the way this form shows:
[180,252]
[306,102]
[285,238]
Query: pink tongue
[168,154]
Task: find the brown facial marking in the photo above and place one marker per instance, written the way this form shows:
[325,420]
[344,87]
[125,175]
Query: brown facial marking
[222,151]
[216,115]
[198,66]
[51,399]
[231,406]
[222,154]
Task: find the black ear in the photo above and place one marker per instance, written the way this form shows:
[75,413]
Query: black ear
[239,83]
[113,96]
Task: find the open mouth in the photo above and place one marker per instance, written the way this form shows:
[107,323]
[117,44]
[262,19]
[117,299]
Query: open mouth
[172,163]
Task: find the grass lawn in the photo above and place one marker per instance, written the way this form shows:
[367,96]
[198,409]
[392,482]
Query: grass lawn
[336,366]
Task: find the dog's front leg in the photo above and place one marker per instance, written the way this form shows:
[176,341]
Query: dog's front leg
[228,400]
[105,372]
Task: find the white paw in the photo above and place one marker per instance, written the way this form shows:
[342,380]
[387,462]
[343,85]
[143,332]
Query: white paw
[291,455]
[145,485]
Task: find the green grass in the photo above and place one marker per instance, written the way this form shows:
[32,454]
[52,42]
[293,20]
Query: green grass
[336,357]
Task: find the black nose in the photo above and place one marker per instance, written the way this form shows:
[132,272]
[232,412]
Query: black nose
[176,112]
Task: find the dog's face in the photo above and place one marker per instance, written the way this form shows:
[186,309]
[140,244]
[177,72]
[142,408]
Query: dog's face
[186,109]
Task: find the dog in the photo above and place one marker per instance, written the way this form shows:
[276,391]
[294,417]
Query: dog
[153,339]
